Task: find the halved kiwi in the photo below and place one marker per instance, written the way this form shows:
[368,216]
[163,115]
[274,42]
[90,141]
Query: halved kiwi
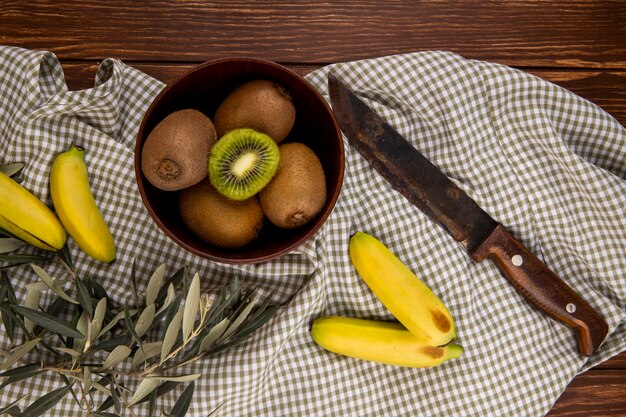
[242,162]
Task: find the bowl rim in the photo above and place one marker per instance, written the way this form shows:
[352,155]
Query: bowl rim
[331,198]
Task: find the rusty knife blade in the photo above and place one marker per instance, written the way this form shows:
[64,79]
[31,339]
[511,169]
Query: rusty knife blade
[424,185]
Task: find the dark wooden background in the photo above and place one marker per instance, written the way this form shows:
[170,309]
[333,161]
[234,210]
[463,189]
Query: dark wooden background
[580,45]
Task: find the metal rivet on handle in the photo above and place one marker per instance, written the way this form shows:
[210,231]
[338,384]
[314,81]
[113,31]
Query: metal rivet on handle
[570,308]
[517,260]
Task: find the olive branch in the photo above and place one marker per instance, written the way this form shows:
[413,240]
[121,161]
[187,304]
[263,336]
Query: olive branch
[98,350]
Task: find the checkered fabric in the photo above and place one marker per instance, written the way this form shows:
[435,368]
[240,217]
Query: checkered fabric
[542,161]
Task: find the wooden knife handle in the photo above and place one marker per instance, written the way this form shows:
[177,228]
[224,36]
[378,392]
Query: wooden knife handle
[543,288]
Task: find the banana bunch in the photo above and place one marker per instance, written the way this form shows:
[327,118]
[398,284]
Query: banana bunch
[27,218]
[425,329]
[76,207]
[379,341]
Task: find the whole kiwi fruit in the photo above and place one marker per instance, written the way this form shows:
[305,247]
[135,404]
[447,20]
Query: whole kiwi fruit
[218,220]
[242,162]
[262,105]
[297,192]
[176,152]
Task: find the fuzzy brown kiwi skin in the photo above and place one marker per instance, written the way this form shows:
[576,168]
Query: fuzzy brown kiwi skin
[176,152]
[218,220]
[261,105]
[297,193]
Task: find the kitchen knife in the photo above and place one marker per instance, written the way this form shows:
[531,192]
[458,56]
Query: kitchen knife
[424,185]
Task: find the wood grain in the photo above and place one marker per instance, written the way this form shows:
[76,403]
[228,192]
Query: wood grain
[596,394]
[577,44]
[569,33]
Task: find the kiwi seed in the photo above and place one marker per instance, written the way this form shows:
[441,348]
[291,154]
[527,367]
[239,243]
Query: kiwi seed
[297,193]
[218,220]
[242,162]
[262,105]
[176,152]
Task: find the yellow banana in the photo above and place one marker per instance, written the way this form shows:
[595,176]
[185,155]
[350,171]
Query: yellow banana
[379,341]
[404,295]
[26,217]
[76,207]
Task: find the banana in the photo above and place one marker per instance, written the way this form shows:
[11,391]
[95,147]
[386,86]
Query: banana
[76,207]
[379,341]
[27,218]
[404,295]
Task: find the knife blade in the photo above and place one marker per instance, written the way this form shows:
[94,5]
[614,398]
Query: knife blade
[425,186]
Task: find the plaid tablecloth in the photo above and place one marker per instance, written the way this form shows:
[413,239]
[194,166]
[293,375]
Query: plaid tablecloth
[547,164]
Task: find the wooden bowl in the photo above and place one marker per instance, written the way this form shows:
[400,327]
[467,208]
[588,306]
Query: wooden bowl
[204,88]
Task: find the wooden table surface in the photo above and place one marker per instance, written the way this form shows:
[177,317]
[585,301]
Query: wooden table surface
[578,44]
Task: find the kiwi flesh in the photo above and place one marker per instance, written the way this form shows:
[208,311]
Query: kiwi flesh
[218,220]
[262,105]
[242,162]
[297,193]
[176,152]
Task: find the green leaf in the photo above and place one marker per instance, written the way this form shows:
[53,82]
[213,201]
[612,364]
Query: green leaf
[98,318]
[133,280]
[12,169]
[171,334]
[103,382]
[5,409]
[183,402]
[32,301]
[98,290]
[175,280]
[215,333]
[176,378]
[43,404]
[105,404]
[5,282]
[192,305]
[66,256]
[82,325]
[47,321]
[116,356]
[112,343]
[162,389]
[241,316]
[83,295]
[152,403]
[256,322]
[171,295]
[172,310]
[15,320]
[145,320]
[112,323]
[20,373]
[20,370]
[57,307]
[102,414]
[18,353]
[71,352]
[129,324]
[10,244]
[17,260]
[154,285]
[6,300]
[146,386]
[115,397]
[226,300]
[47,279]
[150,350]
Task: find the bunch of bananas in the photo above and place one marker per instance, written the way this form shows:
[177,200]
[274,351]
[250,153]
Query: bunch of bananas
[423,336]
[27,218]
